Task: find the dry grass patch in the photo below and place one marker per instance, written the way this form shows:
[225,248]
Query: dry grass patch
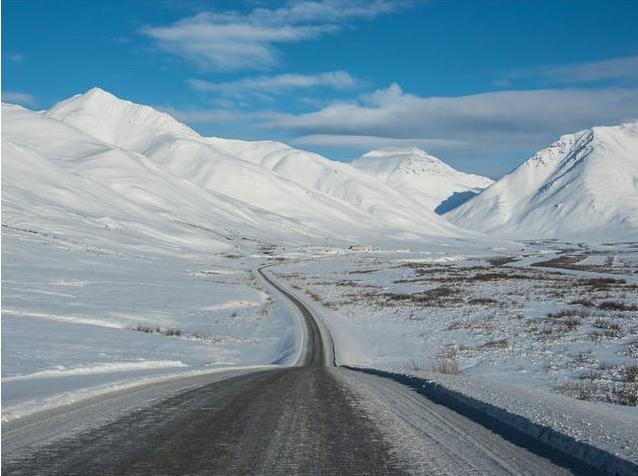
[617,306]
[482,301]
[495,344]
[176,332]
[363,271]
[582,302]
[437,297]
[591,375]
[630,374]
[447,362]
[603,391]
[565,261]
[501,260]
[600,284]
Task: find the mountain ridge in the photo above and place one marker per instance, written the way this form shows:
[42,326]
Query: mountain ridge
[426,178]
[584,184]
[155,172]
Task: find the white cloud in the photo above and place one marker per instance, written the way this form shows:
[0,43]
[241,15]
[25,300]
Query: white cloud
[278,84]
[615,69]
[15,57]
[369,142]
[16,97]
[499,122]
[219,116]
[233,40]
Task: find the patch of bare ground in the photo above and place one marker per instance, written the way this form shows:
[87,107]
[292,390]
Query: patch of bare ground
[363,271]
[564,261]
[555,325]
[495,344]
[347,283]
[617,306]
[630,374]
[176,332]
[500,276]
[437,297]
[502,260]
[483,301]
[582,302]
[290,275]
[600,284]
[609,264]
[620,393]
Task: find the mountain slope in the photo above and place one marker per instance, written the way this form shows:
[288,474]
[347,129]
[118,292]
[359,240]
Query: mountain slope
[421,176]
[57,179]
[116,121]
[306,188]
[584,184]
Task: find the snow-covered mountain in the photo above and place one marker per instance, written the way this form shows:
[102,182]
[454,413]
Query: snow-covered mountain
[423,177]
[583,185]
[98,161]
[116,121]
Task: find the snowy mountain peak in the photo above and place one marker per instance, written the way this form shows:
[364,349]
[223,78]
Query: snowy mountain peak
[585,183]
[424,177]
[404,160]
[114,120]
[398,151]
[96,92]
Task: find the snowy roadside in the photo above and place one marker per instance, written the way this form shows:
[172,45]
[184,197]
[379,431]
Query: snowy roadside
[55,423]
[573,332]
[76,325]
[599,434]
[588,430]
[26,408]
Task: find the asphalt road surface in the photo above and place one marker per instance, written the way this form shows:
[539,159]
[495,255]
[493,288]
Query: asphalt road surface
[310,419]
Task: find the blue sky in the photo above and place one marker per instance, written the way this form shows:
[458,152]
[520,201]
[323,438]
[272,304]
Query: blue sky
[482,84]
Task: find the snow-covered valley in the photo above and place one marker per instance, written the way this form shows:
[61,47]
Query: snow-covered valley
[130,246]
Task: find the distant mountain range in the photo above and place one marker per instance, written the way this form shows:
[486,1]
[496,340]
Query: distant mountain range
[95,162]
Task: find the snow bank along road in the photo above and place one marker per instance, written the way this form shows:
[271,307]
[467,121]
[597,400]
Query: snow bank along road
[312,418]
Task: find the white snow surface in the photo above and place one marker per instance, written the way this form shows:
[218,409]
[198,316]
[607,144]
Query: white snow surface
[301,192]
[583,185]
[74,318]
[423,177]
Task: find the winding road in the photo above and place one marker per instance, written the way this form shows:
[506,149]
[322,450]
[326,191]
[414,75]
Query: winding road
[313,418]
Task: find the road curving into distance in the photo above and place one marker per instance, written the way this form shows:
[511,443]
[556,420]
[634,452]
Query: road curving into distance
[294,420]
[312,418]
[314,353]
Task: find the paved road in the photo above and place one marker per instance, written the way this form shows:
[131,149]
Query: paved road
[310,419]
[297,420]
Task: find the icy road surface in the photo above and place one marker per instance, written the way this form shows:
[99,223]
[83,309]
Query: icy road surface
[312,418]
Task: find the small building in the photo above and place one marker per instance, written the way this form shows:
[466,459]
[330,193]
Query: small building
[361,248]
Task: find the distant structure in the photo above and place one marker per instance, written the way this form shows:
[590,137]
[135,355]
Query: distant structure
[361,248]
